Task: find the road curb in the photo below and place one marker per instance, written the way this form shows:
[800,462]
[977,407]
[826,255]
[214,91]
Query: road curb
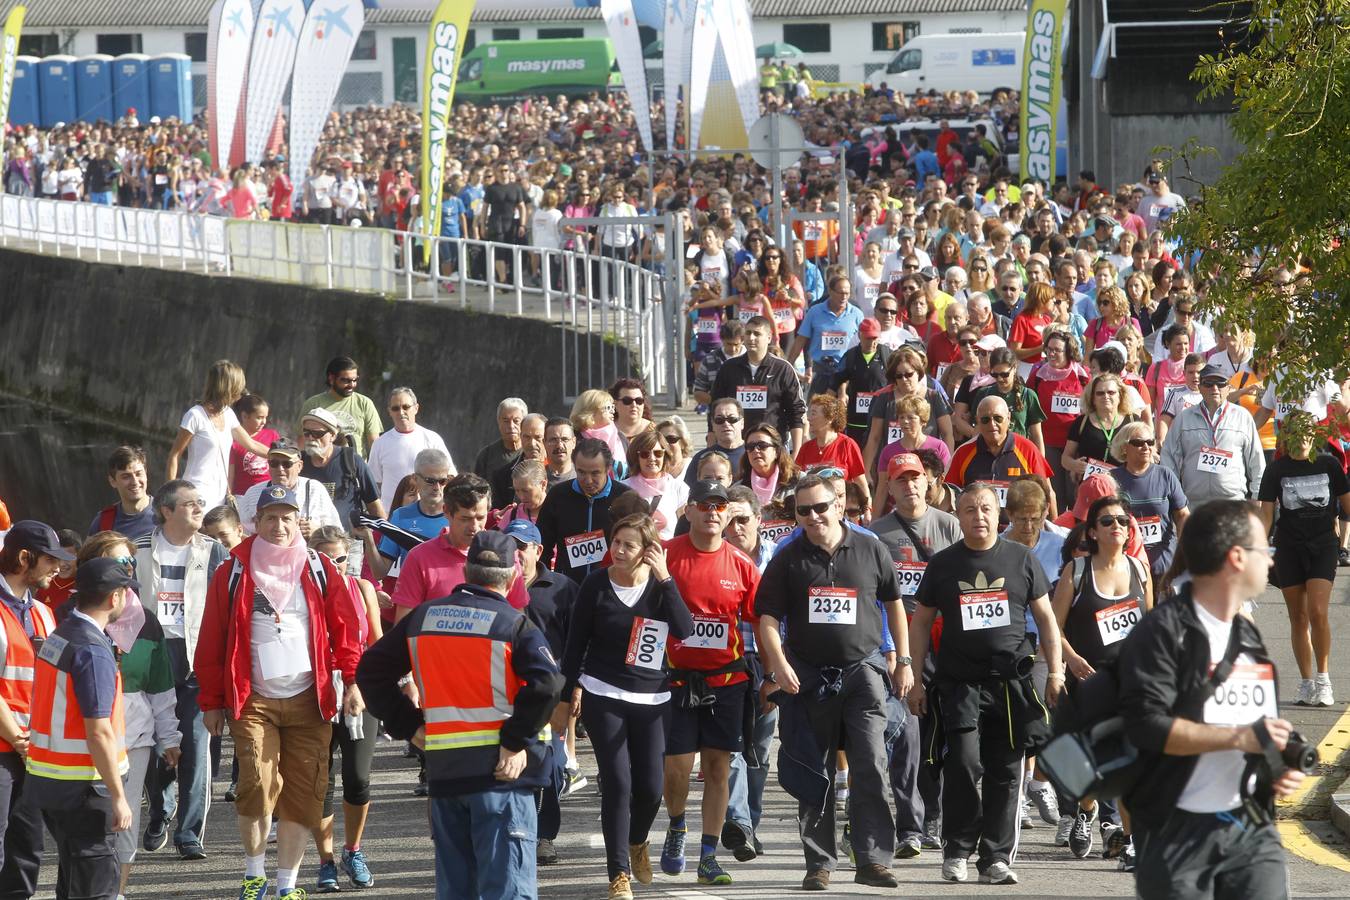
[1340,813]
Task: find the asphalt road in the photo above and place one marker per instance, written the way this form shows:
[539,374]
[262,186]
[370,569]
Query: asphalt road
[401,853]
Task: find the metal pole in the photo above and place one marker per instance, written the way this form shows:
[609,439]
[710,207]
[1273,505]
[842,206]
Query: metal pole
[845,221]
[674,308]
[776,207]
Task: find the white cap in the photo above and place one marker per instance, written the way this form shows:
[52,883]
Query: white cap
[991,342]
[1116,346]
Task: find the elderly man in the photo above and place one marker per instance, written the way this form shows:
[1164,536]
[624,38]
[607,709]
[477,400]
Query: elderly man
[425,518]
[996,454]
[283,462]
[505,451]
[532,430]
[1214,447]
[278,625]
[342,472]
[174,565]
[943,347]
[355,413]
[393,453]
[1009,301]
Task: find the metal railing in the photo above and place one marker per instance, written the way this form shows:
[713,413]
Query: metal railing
[610,313]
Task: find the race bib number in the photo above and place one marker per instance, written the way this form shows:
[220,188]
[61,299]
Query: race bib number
[745,314]
[775,531]
[1247,695]
[1001,489]
[871,292]
[984,609]
[752,396]
[909,574]
[811,232]
[862,403]
[1150,530]
[647,643]
[585,549]
[834,341]
[892,432]
[161,179]
[171,611]
[783,315]
[1066,404]
[706,325]
[1115,623]
[709,634]
[832,606]
[942,370]
[1095,467]
[1214,460]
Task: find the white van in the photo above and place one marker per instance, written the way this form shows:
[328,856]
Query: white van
[955,62]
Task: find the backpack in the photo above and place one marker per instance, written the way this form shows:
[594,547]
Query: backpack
[107,518]
[311,560]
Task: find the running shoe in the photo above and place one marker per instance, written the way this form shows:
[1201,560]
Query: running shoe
[1024,820]
[327,882]
[841,787]
[621,888]
[1115,840]
[909,848]
[998,872]
[737,838]
[672,852]
[156,836]
[354,865]
[253,888]
[1127,859]
[1343,558]
[711,872]
[1046,804]
[639,860]
[1306,691]
[954,868]
[1081,835]
[1322,695]
[1062,831]
[545,854]
[575,782]
[295,893]
[932,835]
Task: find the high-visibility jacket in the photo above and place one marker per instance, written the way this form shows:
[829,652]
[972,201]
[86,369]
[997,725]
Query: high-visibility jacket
[16,648]
[468,654]
[59,745]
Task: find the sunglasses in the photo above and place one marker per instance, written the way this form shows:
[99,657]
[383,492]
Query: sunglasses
[967,342]
[315,435]
[711,505]
[1006,373]
[128,561]
[740,520]
[827,471]
[910,374]
[282,463]
[1008,289]
[773,256]
[988,420]
[404,408]
[1108,521]
[439,482]
[1139,443]
[805,510]
[909,268]
[632,401]
[1210,383]
[671,438]
[726,420]
[761,445]
[886,311]
[653,453]
[339,559]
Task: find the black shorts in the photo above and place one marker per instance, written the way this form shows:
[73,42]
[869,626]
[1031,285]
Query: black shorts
[717,727]
[1295,563]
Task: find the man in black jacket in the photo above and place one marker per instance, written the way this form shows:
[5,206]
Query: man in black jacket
[1197,833]
[766,386]
[575,514]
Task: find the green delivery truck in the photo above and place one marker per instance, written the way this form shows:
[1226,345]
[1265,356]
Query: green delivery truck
[508,70]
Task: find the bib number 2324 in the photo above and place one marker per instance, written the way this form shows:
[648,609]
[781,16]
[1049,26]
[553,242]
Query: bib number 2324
[832,606]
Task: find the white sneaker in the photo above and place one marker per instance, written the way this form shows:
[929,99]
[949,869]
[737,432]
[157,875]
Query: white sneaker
[841,787]
[1062,831]
[1321,694]
[998,873]
[954,869]
[1306,690]
[1026,821]
[1046,804]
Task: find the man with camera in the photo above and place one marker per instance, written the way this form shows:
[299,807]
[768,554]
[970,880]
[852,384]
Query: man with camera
[1198,695]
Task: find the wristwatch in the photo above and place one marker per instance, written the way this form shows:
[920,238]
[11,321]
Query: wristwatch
[903,660]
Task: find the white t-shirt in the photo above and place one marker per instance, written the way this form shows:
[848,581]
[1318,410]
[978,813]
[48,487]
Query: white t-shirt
[894,266]
[392,455]
[1315,403]
[173,561]
[1215,784]
[208,453]
[866,290]
[282,643]
[544,228]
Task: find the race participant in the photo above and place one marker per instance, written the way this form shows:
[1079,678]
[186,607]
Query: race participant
[766,386]
[532,447]
[709,675]
[1009,386]
[728,430]
[343,472]
[828,329]
[1098,601]
[425,518]
[575,514]
[829,587]
[1214,448]
[283,462]
[906,373]
[746,785]
[991,712]
[1156,499]
[484,763]
[560,439]
[665,494]
[913,532]
[1317,402]
[1192,825]
[1088,447]
[529,485]
[1310,489]
[505,450]
[132,514]
[246,467]
[614,668]
[1059,382]
[995,455]
[354,412]
[356,736]
[861,374]
[206,431]
[1169,373]
[174,567]
[1186,395]
[394,453]
[830,447]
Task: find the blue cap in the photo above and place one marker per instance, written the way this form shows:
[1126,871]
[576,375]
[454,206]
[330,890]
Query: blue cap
[37,537]
[276,495]
[525,531]
[492,548]
[102,575]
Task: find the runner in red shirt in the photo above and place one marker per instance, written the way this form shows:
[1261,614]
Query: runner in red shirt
[718,583]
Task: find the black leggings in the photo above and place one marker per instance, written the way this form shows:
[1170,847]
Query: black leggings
[629,740]
[356,756]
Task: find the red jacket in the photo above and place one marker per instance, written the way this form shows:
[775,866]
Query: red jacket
[223,661]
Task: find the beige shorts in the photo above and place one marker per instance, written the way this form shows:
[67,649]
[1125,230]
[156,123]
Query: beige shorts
[282,749]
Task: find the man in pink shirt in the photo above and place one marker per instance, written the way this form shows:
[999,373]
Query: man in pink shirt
[433,569]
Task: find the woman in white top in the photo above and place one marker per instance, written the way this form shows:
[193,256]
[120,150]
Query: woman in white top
[206,433]
[867,278]
[665,494]
[544,233]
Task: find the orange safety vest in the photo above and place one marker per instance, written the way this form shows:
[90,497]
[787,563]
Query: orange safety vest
[59,746]
[16,648]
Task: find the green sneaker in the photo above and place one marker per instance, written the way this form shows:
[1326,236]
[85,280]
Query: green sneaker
[709,872]
[295,893]
[253,888]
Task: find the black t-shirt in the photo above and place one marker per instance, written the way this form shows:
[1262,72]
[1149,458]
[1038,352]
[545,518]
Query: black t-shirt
[829,602]
[983,597]
[1308,492]
[1093,442]
[500,201]
[351,486]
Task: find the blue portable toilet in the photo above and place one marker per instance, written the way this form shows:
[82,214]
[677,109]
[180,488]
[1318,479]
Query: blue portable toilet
[171,86]
[57,94]
[131,85]
[23,97]
[94,88]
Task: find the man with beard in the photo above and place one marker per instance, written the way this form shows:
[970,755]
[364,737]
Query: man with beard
[355,413]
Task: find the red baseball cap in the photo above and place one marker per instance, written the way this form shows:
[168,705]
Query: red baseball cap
[904,464]
[870,328]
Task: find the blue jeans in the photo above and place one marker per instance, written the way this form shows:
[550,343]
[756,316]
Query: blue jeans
[102,198]
[746,803]
[184,791]
[485,846]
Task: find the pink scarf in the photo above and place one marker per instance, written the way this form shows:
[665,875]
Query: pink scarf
[647,488]
[610,435]
[276,570]
[764,487]
[1046,373]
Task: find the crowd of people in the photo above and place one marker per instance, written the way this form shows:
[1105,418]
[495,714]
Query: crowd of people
[920,502]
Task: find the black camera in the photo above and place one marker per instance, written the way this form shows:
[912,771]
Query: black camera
[1299,754]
